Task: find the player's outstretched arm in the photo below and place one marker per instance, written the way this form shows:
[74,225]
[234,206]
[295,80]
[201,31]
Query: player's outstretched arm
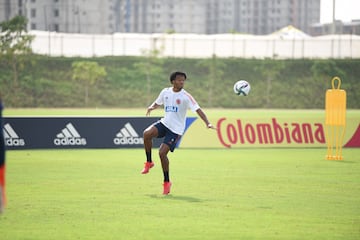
[203,116]
[151,107]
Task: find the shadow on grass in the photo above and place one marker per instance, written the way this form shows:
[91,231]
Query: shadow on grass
[172,197]
[342,161]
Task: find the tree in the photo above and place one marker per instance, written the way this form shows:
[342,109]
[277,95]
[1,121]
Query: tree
[15,44]
[151,67]
[270,70]
[215,69]
[326,69]
[322,73]
[88,73]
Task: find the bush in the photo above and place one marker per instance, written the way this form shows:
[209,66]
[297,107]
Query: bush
[275,83]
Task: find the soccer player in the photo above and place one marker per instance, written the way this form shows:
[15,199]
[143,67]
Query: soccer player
[2,162]
[176,101]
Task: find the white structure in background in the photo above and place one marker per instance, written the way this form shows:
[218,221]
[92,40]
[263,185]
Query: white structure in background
[273,46]
[290,32]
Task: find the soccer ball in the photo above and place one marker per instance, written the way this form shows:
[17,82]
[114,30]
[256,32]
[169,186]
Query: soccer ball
[242,88]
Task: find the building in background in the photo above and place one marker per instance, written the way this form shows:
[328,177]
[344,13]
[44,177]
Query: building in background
[266,16]
[352,28]
[157,16]
[215,16]
[71,16]
[11,8]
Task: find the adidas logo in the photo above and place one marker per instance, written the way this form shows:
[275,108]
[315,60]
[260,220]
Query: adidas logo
[11,138]
[69,136]
[128,136]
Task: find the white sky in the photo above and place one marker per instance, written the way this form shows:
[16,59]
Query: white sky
[345,10]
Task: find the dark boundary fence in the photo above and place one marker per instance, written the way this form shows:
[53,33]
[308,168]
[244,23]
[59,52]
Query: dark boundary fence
[75,132]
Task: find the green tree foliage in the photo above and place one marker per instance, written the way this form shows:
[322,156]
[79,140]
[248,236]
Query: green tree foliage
[88,73]
[323,71]
[151,67]
[215,72]
[15,45]
[295,84]
[270,70]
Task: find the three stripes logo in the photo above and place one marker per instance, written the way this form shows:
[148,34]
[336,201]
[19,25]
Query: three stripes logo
[128,136]
[11,138]
[69,136]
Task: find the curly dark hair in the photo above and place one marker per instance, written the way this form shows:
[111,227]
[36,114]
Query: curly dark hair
[174,74]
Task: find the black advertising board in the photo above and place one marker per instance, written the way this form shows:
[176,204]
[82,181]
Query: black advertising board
[76,132]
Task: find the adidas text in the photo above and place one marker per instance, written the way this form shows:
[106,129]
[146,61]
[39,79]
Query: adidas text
[14,142]
[128,140]
[70,141]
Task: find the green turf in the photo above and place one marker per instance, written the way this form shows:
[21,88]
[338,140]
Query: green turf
[216,194]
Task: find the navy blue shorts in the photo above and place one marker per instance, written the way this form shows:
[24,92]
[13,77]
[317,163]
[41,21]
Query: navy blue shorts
[170,138]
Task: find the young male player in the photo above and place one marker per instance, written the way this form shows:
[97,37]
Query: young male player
[171,127]
[2,162]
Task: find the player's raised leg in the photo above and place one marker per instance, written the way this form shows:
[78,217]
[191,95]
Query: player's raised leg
[148,135]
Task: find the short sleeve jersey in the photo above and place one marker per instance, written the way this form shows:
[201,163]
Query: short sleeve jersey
[176,105]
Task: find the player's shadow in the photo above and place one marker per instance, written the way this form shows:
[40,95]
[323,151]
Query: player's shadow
[343,161]
[175,197]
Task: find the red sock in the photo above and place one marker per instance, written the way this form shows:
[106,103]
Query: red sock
[2,183]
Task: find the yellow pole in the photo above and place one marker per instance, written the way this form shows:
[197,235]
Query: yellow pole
[335,120]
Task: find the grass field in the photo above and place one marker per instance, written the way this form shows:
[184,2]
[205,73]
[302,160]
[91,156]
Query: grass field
[216,194]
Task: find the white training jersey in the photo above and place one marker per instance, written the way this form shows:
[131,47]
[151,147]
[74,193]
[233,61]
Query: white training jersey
[176,105]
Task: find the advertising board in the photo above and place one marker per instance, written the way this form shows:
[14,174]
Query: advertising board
[126,132]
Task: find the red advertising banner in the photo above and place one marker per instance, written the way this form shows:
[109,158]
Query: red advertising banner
[266,132]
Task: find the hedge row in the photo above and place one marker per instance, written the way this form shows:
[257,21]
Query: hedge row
[136,82]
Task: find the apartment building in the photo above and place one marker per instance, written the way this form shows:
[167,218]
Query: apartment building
[157,16]
[72,16]
[267,16]
[350,28]
[11,8]
[216,16]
